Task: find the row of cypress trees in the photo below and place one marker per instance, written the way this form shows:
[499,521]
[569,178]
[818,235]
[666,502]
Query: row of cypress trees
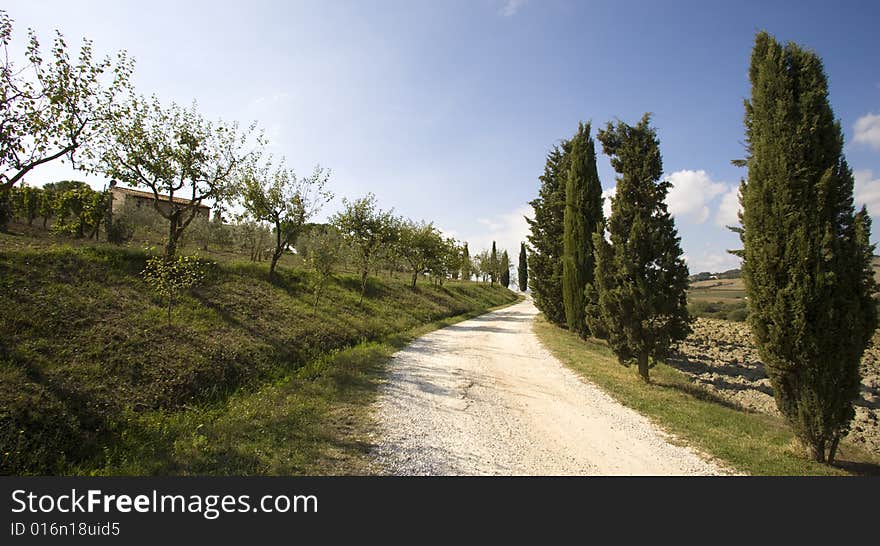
[623,279]
[806,251]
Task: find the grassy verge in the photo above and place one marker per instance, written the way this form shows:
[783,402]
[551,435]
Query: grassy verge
[93,379]
[316,421]
[749,442]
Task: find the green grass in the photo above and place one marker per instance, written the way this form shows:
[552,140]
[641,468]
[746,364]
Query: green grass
[316,421]
[735,311]
[92,380]
[749,442]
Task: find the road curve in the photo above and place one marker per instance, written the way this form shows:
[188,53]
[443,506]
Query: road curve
[484,397]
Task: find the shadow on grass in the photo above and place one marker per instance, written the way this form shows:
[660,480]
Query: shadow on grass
[700,393]
[861,468]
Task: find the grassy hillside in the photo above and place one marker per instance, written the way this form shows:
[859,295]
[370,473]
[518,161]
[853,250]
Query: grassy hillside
[718,298]
[725,298]
[92,379]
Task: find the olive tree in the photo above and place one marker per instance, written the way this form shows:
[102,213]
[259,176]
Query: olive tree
[420,245]
[275,194]
[364,226]
[322,250]
[171,277]
[175,153]
[53,106]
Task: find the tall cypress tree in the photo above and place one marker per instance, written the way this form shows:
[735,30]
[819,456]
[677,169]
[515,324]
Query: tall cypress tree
[806,253]
[522,271]
[641,276]
[545,258]
[493,265]
[466,268]
[504,268]
[583,212]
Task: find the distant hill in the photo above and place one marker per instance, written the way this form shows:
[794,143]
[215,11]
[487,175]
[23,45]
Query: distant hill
[737,273]
[729,274]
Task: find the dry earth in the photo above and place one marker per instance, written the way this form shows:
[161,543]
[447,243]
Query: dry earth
[483,397]
[720,356]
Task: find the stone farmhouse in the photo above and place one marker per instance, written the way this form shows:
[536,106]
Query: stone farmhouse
[121,197]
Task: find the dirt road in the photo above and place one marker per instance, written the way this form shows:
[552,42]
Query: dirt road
[485,397]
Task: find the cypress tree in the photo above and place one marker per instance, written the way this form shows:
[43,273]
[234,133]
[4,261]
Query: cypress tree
[641,276]
[545,258]
[504,269]
[522,271]
[493,265]
[466,263]
[806,253]
[583,212]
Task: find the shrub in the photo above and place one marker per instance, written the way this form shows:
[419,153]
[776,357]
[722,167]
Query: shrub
[120,231]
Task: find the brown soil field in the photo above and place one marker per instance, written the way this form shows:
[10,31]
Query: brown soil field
[720,356]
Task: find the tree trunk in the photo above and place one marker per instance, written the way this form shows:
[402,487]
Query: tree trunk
[832,451]
[817,451]
[275,256]
[643,367]
[364,274]
[173,234]
[279,250]
[415,278]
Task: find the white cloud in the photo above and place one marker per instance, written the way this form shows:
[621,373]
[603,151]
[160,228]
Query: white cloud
[867,191]
[511,7]
[728,210]
[606,201]
[712,262]
[867,130]
[508,230]
[690,193]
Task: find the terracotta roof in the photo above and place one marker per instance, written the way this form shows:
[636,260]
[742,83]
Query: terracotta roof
[149,195]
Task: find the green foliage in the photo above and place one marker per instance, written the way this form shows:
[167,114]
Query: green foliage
[78,209]
[467,267]
[493,265]
[120,231]
[30,202]
[705,275]
[53,107]
[640,275]
[481,265]
[6,208]
[547,226]
[504,267]
[522,271]
[449,264]
[93,364]
[173,151]
[421,246]
[806,256]
[736,312]
[365,228]
[322,250]
[583,213]
[170,277]
[277,196]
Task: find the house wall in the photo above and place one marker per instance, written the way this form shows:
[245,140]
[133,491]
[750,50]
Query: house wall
[121,199]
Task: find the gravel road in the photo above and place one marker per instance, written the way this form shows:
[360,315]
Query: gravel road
[483,397]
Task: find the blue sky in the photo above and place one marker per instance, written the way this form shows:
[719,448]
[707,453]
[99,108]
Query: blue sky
[446,109]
